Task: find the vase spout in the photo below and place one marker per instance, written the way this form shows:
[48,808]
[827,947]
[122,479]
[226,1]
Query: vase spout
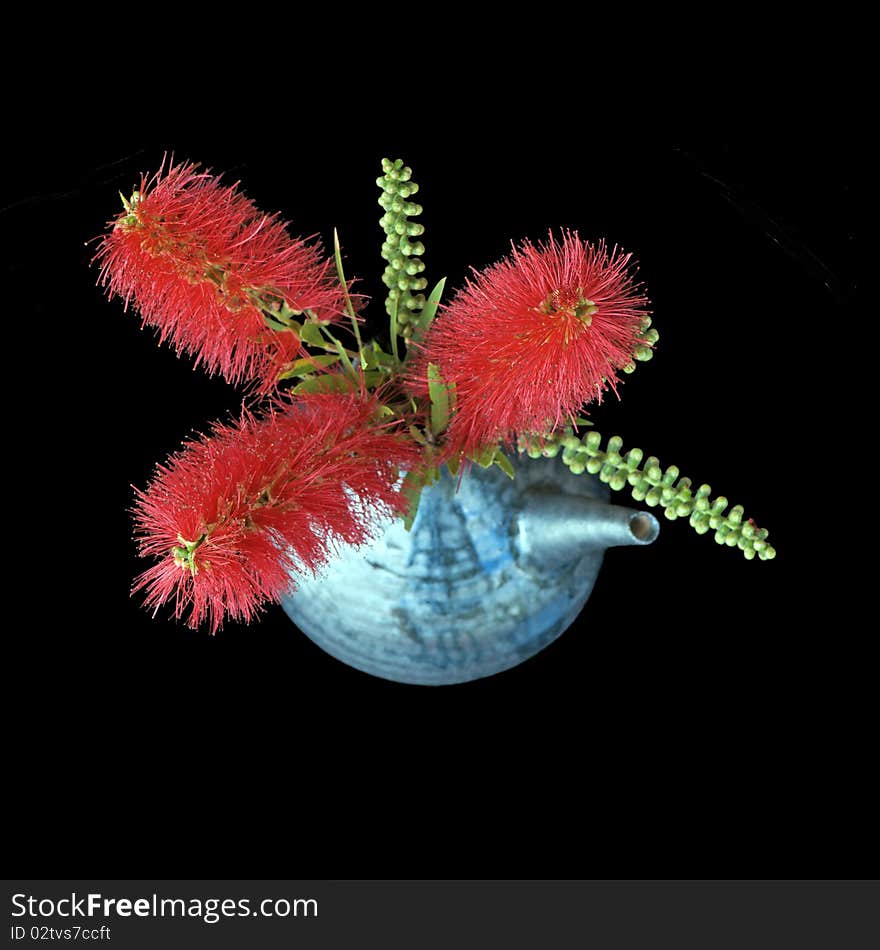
[553,529]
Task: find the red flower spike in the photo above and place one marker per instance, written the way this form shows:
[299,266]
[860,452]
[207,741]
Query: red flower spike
[531,339]
[233,513]
[203,265]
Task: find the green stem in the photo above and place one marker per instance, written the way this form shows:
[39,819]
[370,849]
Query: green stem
[394,330]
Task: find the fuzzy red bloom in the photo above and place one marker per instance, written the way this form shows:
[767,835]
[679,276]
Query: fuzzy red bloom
[232,514]
[204,265]
[531,339]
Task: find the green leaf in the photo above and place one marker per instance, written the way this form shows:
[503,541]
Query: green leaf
[286,315]
[381,357]
[311,333]
[453,399]
[487,457]
[349,306]
[412,490]
[581,421]
[418,435]
[503,462]
[373,378]
[429,311]
[337,254]
[375,356]
[307,366]
[327,383]
[335,383]
[439,400]
[453,465]
[370,361]
[273,324]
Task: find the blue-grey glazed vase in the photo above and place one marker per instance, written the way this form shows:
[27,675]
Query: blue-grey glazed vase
[492,571]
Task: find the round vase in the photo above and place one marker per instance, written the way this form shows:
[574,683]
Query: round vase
[492,571]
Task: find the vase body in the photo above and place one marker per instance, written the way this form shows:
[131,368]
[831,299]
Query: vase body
[453,599]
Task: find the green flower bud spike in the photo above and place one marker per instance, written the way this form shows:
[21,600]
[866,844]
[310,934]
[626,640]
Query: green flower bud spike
[644,352]
[650,484]
[402,275]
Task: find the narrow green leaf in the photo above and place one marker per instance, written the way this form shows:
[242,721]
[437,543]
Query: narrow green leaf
[311,333]
[381,357]
[326,383]
[325,359]
[349,306]
[307,366]
[503,462]
[337,254]
[487,457]
[429,311]
[286,315]
[439,400]
[581,421]
[375,356]
[335,383]
[418,435]
[453,465]
[412,490]
[273,324]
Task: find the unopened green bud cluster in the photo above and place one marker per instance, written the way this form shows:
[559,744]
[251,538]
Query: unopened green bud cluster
[651,484]
[643,351]
[402,254]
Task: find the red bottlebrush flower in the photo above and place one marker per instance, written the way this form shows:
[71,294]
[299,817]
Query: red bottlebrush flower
[206,267]
[531,339]
[232,514]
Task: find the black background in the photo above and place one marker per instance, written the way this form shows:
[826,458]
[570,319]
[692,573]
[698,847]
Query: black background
[704,713]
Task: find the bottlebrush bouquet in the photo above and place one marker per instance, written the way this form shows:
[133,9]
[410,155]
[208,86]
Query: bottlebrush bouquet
[338,435]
